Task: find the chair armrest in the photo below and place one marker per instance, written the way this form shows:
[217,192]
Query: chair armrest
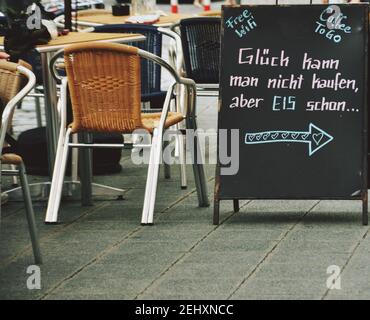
[189,84]
[62,105]
[11,105]
[179,54]
[165,109]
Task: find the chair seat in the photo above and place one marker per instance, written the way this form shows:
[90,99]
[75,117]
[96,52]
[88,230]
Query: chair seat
[11,158]
[151,120]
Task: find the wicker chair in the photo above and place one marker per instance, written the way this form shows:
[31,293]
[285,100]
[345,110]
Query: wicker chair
[105,88]
[201,49]
[151,72]
[12,77]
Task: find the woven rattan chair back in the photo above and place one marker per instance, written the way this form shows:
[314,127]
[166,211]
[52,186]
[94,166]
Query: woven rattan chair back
[104,83]
[201,46]
[10,81]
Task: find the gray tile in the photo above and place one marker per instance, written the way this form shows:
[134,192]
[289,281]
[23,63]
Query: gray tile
[211,271]
[281,287]
[191,287]
[221,245]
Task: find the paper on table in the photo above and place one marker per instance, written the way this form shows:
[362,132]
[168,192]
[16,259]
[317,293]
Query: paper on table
[147,19]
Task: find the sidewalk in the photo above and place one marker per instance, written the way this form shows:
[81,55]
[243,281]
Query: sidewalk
[269,250]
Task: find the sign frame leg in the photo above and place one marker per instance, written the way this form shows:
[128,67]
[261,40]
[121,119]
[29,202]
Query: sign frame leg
[216,199]
[365,218]
[236,205]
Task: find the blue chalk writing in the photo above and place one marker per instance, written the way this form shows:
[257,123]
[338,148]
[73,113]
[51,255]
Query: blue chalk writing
[241,24]
[315,137]
[331,24]
[283,103]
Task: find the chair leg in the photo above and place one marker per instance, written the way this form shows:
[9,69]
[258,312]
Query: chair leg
[149,179]
[15,178]
[30,215]
[74,167]
[58,179]
[167,167]
[86,171]
[51,202]
[199,175]
[182,157]
[157,142]
[180,141]
[57,162]
[38,112]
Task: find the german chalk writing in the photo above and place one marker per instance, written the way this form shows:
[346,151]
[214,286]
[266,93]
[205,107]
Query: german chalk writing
[307,77]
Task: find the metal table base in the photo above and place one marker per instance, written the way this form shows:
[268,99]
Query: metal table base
[71,191]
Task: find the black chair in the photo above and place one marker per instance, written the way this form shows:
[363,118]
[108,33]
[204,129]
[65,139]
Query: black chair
[200,39]
[150,72]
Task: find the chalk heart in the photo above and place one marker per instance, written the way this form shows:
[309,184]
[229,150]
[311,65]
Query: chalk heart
[265,136]
[258,137]
[251,137]
[275,135]
[317,137]
[284,135]
[295,135]
[304,136]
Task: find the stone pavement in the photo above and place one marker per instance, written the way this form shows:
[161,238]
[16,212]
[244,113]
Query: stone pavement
[268,250]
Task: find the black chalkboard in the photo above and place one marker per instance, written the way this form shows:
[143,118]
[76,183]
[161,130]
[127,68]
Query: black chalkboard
[293,82]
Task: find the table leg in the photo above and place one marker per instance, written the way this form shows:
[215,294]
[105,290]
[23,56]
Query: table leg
[51,112]
[85,163]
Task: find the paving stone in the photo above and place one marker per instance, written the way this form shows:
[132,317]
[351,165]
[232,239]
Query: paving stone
[268,297]
[237,257]
[281,286]
[84,285]
[307,257]
[221,245]
[178,296]
[247,234]
[270,271]
[95,295]
[211,271]
[331,234]
[325,247]
[192,288]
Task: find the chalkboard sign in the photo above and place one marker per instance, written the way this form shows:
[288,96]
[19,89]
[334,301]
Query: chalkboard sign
[293,86]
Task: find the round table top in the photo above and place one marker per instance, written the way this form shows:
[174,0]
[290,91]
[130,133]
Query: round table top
[99,17]
[79,37]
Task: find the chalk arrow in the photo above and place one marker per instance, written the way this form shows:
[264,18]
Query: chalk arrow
[315,137]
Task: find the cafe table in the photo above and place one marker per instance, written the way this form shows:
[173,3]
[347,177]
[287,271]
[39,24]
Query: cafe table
[98,17]
[50,90]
